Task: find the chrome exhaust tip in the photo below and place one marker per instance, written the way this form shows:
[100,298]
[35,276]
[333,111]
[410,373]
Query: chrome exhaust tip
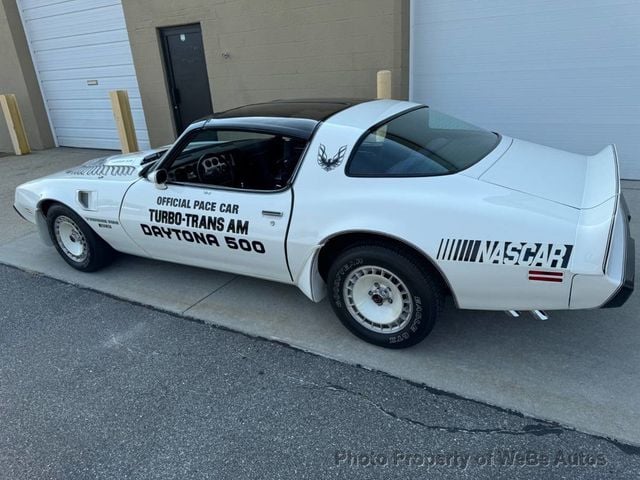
[513,313]
[539,314]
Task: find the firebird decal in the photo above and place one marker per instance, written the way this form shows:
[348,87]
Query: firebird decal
[544,255]
[327,163]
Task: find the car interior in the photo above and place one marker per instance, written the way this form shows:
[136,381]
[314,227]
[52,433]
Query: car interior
[242,160]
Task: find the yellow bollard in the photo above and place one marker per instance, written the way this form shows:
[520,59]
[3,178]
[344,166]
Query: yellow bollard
[12,115]
[124,120]
[384,84]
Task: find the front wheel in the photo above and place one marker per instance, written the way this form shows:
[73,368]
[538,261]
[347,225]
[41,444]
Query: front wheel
[75,241]
[383,296]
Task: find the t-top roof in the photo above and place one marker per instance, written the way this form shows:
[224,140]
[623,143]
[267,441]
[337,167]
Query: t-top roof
[297,118]
[310,109]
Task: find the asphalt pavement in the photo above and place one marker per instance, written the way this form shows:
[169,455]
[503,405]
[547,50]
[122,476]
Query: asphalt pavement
[96,387]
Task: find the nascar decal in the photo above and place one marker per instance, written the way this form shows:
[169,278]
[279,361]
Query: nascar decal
[198,228]
[543,255]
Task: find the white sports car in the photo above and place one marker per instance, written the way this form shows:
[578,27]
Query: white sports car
[390,204]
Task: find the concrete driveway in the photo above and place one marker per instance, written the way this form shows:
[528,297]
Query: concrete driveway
[579,368]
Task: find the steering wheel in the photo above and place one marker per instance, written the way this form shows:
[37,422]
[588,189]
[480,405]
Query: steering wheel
[215,167]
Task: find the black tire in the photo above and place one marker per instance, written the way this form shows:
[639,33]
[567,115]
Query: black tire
[94,254]
[420,295]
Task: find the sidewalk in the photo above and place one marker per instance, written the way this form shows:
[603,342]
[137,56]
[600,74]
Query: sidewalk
[579,368]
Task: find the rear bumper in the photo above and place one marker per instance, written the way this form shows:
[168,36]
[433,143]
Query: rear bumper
[628,281]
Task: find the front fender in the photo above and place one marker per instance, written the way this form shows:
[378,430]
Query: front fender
[96,201]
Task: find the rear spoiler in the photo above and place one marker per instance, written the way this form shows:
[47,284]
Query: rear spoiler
[600,204]
[602,179]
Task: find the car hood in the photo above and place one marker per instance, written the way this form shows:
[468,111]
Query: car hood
[578,181]
[120,167]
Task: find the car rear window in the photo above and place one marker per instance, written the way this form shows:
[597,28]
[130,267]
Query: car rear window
[422,142]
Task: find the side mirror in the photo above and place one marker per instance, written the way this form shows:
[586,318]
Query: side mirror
[159,178]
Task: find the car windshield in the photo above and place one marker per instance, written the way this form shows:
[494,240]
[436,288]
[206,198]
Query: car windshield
[422,142]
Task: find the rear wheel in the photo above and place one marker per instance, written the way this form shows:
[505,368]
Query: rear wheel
[383,296]
[75,241]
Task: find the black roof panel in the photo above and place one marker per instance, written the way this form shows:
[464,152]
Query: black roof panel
[310,109]
[295,118]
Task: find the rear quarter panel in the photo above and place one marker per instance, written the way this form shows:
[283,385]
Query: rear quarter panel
[423,212]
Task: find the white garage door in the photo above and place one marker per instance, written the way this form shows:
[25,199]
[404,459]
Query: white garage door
[81,51]
[563,73]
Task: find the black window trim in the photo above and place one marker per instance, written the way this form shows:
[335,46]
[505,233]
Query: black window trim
[387,120]
[172,153]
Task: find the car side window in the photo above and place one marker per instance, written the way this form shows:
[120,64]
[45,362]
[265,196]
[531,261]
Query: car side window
[422,142]
[236,159]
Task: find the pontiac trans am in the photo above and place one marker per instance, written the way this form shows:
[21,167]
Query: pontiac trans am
[387,206]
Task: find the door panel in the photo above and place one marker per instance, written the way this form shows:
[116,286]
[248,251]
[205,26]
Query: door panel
[187,76]
[234,231]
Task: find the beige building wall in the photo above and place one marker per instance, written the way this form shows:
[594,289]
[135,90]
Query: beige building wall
[277,49]
[18,76]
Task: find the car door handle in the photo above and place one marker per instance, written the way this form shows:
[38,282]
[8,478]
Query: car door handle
[270,213]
